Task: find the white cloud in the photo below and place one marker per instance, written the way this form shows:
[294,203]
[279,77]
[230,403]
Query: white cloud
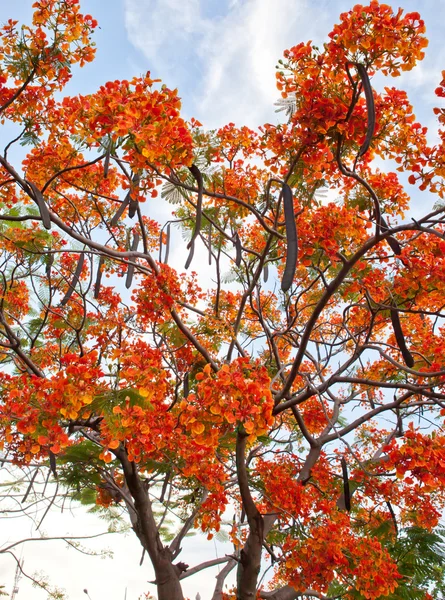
[226,64]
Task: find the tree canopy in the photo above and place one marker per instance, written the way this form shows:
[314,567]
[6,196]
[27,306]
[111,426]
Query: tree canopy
[296,398]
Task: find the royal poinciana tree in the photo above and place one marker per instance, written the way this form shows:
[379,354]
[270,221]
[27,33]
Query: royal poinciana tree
[299,405]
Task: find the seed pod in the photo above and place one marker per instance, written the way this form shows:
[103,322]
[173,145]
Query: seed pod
[107,161]
[238,248]
[191,245]
[361,70]
[74,281]
[393,516]
[209,243]
[190,256]
[346,490]
[40,201]
[167,245]
[265,272]
[160,246]
[400,339]
[186,385]
[393,243]
[133,203]
[98,278]
[291,237]
[52,463]
[132,207]
[130,270]
[49,264]
[120,211]
[198,176]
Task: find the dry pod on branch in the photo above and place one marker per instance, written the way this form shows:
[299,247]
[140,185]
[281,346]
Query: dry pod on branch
[40,201]
[370,107]
[130,271]
[191,245]
[98,277]
[291,239]
[74,281]
[400,338]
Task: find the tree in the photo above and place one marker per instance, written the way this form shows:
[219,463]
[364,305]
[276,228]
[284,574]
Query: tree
[312,413]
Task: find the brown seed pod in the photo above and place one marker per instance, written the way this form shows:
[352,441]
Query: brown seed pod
[393,243]
[40,201]
[346,490]
[209,243]
[130,270]
[107,162]
[98,278]
[186,385]
[291,238]
[167,244]
[238,248]
[120,211]
[49,264]
[191,245]
[133,203]
[400,338]
[52,463]
[74,281]
[370,107]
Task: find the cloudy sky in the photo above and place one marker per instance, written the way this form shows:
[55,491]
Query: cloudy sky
[221,55]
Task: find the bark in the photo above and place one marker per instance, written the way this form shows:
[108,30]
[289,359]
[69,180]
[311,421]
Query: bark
[167,574]
[285,593]
[250,556]
[220,578]
[289,593]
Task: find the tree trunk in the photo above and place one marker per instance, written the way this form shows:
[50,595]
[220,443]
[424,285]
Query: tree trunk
[167,580]
[145,527]
[250,556]
[250,562]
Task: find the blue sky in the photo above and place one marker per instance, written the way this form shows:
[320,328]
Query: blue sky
[221,55]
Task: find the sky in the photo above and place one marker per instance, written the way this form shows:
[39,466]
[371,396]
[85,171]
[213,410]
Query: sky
[221,55]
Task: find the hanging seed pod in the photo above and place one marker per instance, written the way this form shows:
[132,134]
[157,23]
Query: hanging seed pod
[191,245]
[98,278]
[265,273]
[52,463]
[291,238]
[120,211]
[346,490]
[400,338]
[186,385]
[393,516]
[130,270]
[238,249]
[392,242]
[49,264]
[370,108]
[167,245]
[209,243]
[198,176]
[107,161]
[74,281]
[133,203]
[190,256]
[132,207]
[40,201]
[160,246]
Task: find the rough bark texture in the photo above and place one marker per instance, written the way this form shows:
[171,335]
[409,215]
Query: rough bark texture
[250,557]
[167,574]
